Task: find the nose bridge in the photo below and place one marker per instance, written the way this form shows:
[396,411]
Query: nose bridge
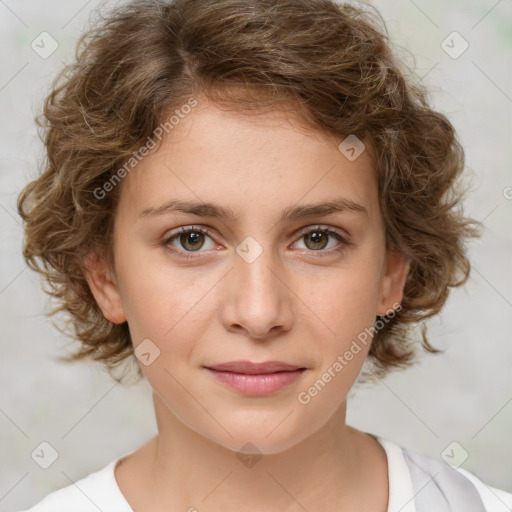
[257,271]
[257,299]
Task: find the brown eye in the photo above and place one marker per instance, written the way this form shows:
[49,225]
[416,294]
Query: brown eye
[316,240]
[188,240]
[191,241]
[323,240]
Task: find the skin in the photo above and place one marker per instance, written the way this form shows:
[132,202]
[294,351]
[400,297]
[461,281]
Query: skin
[290,304]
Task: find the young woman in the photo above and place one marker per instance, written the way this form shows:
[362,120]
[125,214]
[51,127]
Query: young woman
[251,199]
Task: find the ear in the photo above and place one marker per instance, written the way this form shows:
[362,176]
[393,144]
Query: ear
[104,288]
[396,268]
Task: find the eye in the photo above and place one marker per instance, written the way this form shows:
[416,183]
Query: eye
[317,239]
[191,239]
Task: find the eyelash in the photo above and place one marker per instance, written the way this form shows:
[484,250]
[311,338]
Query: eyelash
[206,231]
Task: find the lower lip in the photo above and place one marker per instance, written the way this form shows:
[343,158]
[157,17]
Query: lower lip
[257,385]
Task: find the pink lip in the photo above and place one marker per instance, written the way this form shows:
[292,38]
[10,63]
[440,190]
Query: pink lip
[257,379]
[250,368]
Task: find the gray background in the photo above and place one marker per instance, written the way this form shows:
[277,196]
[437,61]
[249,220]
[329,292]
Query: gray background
[464,395]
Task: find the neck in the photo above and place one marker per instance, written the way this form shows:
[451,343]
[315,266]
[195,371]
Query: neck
[191,471]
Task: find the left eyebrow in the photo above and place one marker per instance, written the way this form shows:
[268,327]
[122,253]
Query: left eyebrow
[339,205]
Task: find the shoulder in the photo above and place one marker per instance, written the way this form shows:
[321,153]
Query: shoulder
[435,480]
[97,491]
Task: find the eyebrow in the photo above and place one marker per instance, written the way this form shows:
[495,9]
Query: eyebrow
[338,205]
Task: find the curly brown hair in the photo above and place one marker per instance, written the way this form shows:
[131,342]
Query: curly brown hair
[333,62]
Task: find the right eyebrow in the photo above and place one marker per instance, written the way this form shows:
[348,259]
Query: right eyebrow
[190,207]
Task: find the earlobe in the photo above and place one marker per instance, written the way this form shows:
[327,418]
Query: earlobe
[396,269]
[104,288]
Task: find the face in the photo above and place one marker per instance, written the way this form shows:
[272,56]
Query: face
[275,280]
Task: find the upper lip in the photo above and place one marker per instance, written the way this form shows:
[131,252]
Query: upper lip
[255,368]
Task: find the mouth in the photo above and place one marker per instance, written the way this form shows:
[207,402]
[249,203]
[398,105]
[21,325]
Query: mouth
[250,368]
[256,379]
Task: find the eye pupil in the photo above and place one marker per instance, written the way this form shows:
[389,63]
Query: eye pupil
[316,238]
[192,238]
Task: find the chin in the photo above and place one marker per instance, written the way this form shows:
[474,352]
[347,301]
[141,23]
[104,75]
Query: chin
[258,439]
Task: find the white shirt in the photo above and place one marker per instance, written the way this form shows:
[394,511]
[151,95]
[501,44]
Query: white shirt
[99,490]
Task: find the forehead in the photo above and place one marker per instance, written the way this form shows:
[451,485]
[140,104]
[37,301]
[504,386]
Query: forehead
[253,164]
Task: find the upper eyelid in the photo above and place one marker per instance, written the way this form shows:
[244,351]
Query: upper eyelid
[323,227]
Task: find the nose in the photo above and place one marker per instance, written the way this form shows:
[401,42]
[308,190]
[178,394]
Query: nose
[257,297]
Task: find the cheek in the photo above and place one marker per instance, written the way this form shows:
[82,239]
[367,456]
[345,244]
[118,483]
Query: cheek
[159,300]
[346,308]
[346,305]
[345,301]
